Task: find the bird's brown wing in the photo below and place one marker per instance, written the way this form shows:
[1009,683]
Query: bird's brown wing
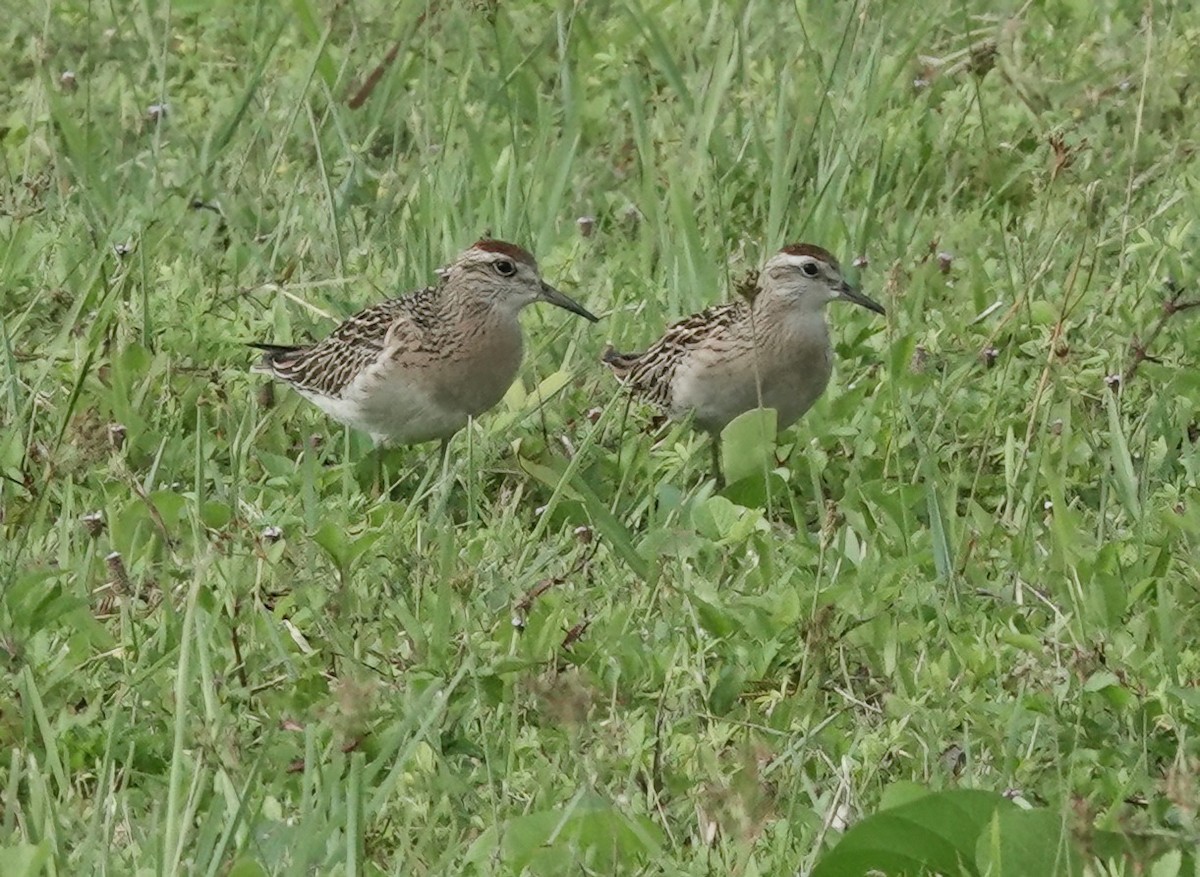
[330,365]
[649,375]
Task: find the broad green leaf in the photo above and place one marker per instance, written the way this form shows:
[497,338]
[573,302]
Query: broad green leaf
[342,547]
[720,520]
[590,831]
[900,793]
[1018,843]
[1170,865]
[748,445]
[937,833]
[215,514]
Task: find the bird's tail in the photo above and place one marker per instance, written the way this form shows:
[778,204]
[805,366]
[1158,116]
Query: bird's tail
[273,355]
[620,363]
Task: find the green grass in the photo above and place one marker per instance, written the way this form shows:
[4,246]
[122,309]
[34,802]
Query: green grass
[976,565]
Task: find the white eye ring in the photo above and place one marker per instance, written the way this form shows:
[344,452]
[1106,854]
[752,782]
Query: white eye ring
[505,268]
[810,269]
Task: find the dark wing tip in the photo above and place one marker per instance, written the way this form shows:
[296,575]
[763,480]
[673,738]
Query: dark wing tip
[273,349]
[504,248]
[620,363]
[272,353]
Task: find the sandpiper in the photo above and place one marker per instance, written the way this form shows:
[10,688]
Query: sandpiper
[415,368]
[769,350]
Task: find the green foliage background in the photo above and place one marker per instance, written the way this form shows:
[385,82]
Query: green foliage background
[974,564]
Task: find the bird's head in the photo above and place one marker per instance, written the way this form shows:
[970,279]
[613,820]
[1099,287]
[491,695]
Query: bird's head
[807,277]
[506,277]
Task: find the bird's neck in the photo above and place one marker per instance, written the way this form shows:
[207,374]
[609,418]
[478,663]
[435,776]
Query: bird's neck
[487,325]
[778,317]
[463,304]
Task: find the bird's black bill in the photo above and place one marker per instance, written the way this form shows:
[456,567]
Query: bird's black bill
[849,293]
[552,295]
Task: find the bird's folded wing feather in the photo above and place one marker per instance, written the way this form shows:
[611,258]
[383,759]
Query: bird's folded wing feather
[331,365]
[654,370]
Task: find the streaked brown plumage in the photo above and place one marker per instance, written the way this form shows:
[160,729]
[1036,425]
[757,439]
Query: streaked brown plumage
[771,350]
[415,368]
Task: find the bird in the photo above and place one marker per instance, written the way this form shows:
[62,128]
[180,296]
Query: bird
[416,368]
[769,349]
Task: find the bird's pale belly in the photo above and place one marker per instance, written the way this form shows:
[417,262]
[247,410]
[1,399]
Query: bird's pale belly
[392,411]
[717,392]
[412,405]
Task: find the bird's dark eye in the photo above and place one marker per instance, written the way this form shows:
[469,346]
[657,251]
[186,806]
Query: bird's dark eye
[810,269]
[505,268]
